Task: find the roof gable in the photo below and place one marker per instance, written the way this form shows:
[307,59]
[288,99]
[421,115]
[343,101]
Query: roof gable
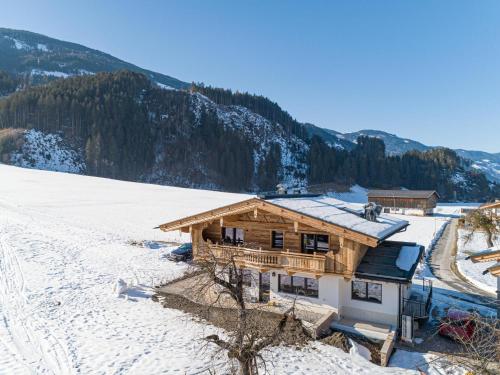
[326,214]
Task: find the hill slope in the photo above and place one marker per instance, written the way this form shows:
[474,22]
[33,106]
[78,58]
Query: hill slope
[130,125]
[123,126]
[37,58]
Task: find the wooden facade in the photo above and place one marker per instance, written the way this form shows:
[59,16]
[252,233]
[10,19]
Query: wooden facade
[411,201]
[492,210]
[255,221]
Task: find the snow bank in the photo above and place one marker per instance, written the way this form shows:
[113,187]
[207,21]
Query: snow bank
[356,194]
[407,257]
[359,350]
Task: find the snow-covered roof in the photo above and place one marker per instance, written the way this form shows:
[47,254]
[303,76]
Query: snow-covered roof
[343,214]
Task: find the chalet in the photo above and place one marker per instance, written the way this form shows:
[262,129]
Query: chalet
[320,250]
[492,210]
[494,269]
[405,202]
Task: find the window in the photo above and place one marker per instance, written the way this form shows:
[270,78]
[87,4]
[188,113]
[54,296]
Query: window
[387,210]
[321,242]
[277,240]
[314,242]
[365,291]
[303,286]
[232,236]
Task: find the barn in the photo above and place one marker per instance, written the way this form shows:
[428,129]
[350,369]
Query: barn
[405,202]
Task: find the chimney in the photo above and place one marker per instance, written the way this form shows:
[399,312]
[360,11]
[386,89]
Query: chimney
[372,211]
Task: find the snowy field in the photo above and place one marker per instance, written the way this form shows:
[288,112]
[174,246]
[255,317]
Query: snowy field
[64,241]
[474,271]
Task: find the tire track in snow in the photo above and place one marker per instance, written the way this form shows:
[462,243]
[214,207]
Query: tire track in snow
[33,340]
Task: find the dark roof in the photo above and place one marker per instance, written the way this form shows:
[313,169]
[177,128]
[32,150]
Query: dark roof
[379,263]
[419,194]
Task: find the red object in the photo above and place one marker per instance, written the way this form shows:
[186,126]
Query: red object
[458,325]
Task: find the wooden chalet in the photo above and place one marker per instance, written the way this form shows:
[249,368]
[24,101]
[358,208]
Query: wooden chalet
[318,248]
[494,270]
[492,209]
[406,202]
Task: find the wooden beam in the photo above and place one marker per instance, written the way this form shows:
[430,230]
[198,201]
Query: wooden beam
[296,226]
[494,270]
[486,256]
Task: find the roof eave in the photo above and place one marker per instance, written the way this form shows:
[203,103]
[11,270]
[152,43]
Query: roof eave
[382,239]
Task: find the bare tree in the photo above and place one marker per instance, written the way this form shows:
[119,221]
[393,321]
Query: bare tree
[223,284]
[479,349]
[478,221]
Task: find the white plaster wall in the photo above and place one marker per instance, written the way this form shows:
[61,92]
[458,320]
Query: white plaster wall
[410,211]
[385,312]
[328,294]
[335,294]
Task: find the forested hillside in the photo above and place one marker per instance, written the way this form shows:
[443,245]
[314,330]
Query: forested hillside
[34,58]
[121,125]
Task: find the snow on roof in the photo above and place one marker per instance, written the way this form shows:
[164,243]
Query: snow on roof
[391,260]
[343,214]
[407,257]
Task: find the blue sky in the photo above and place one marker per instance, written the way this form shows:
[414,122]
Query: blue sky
[426,70]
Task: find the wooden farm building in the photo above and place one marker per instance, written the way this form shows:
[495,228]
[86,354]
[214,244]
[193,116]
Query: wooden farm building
[406,202]
[315,248]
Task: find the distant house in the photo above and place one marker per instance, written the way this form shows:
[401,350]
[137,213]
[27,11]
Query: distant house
[320,250]
[405,202]
[494,270]
[492,209]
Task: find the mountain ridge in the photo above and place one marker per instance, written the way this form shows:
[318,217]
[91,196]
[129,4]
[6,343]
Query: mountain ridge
[487,162]
[39,58]
[126,124]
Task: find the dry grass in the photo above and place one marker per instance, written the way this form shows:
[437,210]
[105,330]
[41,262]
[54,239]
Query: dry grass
[10,140]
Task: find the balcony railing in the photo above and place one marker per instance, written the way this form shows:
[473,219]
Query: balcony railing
[269,259]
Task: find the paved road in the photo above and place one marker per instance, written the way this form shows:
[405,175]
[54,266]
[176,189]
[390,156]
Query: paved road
[442,264]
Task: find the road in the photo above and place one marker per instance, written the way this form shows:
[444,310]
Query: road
[442,264]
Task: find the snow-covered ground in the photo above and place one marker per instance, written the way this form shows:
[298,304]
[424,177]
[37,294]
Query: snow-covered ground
[356,194]
[66,239]
[474,271]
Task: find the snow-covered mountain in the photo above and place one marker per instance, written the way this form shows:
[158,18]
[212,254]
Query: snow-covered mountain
[36,58]
[488,163]
[59,111]
[394,145]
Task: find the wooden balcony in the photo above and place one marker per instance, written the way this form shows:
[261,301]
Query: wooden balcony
[265,260]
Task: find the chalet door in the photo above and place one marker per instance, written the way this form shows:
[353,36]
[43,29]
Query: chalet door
[264,286]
